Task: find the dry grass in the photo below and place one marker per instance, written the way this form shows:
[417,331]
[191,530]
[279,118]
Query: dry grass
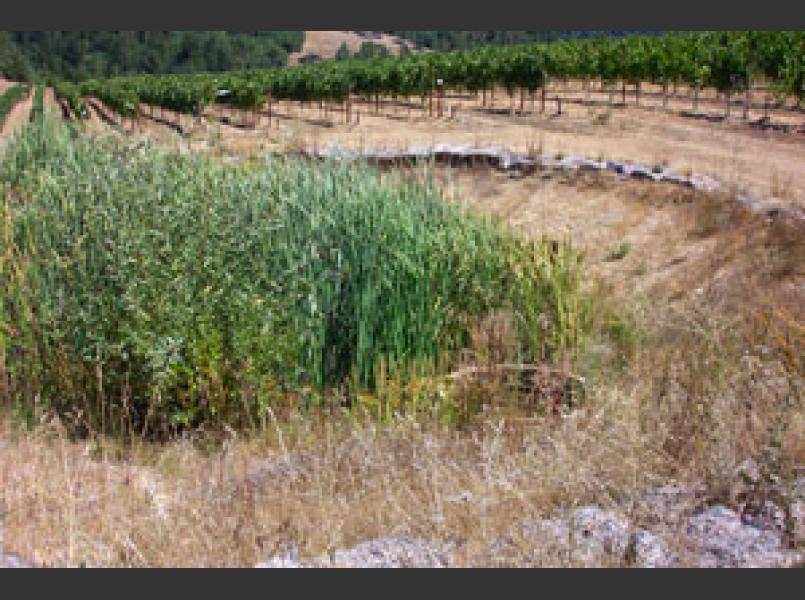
[336,485]
[712,307]
[733,154]
[327,484]
[718,380]
[766,163]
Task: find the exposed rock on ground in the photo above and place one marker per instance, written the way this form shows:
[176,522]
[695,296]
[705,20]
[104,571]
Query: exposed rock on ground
[390,553]
[8,561]
[675,534]
[649,551]
[720,539]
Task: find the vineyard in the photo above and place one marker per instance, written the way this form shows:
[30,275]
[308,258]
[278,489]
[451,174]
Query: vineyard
[728,62]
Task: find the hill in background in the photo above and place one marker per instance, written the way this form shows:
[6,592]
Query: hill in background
[324,45]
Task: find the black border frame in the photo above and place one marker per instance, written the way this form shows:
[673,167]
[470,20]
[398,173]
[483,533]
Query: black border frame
[367,14]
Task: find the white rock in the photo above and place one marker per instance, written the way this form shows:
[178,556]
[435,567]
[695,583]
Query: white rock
[389,553]
[648,551]
[721,540]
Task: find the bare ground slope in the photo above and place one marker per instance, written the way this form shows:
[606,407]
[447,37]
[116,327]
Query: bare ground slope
[326,43]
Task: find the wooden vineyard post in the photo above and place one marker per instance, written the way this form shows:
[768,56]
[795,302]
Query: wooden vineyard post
[665,94]
[559,105]
[728,95]
[623,92]
[430,92]
[625,66]
[696,97]
[747,100]
[638,87]
[544,92]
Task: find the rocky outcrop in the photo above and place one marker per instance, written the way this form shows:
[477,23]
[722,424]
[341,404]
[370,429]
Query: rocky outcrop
[505,159]
[9,561]
[677,529]
[519,164]
[649,551]
[721,539]
[389,553]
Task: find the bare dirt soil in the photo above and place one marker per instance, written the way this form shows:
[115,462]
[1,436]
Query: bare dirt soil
[765,162]
[15,120]
[326,43]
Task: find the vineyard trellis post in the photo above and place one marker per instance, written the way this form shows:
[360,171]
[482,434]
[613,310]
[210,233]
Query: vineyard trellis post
[747,98]
[430,91]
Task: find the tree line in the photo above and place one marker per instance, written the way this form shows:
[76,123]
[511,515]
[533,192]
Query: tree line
[81,55]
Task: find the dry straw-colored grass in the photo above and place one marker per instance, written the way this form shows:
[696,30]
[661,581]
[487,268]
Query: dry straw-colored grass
[716,382]
[713,375]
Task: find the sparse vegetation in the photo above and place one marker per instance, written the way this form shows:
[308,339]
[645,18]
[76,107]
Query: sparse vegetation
[622,251]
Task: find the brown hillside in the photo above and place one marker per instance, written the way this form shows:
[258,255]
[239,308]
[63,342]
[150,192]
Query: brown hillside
[326,43]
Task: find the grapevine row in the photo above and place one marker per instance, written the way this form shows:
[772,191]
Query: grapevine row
[726,61]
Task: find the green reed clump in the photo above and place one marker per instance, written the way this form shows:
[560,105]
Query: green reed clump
[38,105]
[143,288]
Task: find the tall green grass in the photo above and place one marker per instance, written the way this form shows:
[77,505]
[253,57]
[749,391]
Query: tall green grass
[138,284]
[38,105]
